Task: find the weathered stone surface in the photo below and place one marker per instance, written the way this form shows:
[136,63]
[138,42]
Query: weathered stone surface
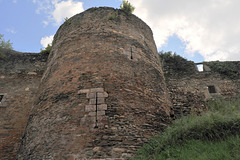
[83,91]
[92,60]
[188,94]
[113,59]
[21,64]
[32,73]
[19,89]
[90,108]
[102,107]
[92,95]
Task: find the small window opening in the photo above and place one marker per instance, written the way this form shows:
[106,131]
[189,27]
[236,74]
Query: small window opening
[1,98]
[96,125]
[131,54]
[200,67]
[211,89]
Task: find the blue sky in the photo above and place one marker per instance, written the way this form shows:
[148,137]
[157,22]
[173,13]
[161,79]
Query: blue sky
[24,26]
[197,30]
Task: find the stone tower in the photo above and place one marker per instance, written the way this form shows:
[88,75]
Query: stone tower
[103,93]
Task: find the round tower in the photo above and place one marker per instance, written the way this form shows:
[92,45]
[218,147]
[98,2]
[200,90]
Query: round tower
[103,93]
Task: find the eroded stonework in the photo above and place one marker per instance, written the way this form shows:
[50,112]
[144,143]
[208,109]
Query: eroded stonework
[103,93]
[96,109]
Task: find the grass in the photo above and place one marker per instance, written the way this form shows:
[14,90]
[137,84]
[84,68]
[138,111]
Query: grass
[218,128]
[204,150]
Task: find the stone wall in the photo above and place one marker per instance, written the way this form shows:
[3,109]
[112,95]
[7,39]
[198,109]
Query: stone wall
[20,75]
[103,94]
[190,88]
[188,94]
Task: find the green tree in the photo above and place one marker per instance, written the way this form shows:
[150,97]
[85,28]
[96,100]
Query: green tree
[47,50]
[5,44]
[127,7]
[175,65]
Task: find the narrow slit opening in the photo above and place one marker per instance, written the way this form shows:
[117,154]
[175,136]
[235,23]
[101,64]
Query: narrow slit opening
[96,125]
[1,98]
[131,54]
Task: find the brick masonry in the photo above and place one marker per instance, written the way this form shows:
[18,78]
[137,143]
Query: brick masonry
[96,109]
[20,75]
[103,93]
[188,94]
[103,73]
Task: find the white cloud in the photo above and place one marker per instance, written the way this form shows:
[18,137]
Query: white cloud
[46,40]
[66,9]
[11,30]
[210,27]
[45,23]
[44,6]
[57,10]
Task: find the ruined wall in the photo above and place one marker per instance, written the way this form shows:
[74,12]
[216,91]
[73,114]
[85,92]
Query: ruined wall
[103,93]
[20,75]
[189,92]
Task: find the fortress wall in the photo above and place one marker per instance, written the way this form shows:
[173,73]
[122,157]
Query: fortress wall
[188,94]
[103,94]
[20,75]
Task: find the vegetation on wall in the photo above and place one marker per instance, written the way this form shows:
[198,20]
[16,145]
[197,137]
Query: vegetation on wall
[47,50]
[175,65]
[4,45]
[213,135]
[114,16]
[127,7]
[226,69]
[67,20]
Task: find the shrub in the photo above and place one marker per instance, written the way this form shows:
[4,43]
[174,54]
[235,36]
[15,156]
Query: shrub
[67,21]
[225,69]
[176,66]
[5,44]
[114,16]
[218,124]
[201,150]
[47,50]
[127,7]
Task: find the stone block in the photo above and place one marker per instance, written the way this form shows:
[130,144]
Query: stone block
[121,150]
[32,73]
[105,94]
[92,114]
[83,91]
[97,149]
[100,101]
[91,95]
[96,90]
[92,101]
[102,94]
[100,113]
[90,108]
[102,107]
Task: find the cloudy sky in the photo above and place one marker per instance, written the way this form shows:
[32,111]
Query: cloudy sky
[195,29]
